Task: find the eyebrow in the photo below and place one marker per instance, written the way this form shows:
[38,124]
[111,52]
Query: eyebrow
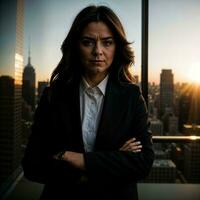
[91,38]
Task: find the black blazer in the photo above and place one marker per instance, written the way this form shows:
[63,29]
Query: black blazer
[111,174]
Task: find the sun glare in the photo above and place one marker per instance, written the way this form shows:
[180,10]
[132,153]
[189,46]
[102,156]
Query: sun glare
[194,73]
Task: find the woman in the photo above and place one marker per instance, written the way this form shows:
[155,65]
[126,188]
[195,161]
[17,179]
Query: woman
[90,137]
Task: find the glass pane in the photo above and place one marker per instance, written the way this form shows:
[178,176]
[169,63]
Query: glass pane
[31,36]
[174,86]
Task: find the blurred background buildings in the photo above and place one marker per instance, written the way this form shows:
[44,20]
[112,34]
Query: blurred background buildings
[174,107]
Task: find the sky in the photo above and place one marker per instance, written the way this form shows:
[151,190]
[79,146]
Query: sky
[174,33]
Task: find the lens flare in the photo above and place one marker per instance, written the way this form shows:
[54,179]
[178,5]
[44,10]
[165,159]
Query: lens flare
[194,73]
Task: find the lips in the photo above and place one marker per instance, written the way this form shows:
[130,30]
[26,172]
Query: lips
[96,61]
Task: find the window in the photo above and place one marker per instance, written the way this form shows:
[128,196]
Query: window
[174,86]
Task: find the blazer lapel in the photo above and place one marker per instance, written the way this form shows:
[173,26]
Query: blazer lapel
[114,109]
[72,101]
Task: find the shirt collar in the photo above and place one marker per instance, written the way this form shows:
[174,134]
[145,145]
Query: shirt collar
[101,86]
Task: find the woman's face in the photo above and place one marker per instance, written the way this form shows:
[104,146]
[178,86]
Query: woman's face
[97,48]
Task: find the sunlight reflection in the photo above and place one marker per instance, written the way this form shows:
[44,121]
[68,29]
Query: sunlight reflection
[193,73]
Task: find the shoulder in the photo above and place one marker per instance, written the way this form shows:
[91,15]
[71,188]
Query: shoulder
[46,92]
[45,96]
[126,89]
[131,88]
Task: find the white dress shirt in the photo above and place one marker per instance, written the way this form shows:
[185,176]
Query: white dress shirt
[91,104]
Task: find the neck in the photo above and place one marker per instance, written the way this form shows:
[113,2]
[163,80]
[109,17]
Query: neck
[94,80]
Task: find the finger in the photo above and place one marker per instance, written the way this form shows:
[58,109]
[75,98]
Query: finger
[137,150]
[128,142]
[135,147]
[132,147]
[129,145]
[134,144]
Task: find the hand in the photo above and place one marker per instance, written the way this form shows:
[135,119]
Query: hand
[74,158]
[131,145]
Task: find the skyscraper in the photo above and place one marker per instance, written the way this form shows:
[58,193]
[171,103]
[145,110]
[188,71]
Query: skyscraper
[163,171]
[166,90]
[11,65]
[191,155]
[189,106]
[192,162]
[28,87]
[173,125]
[156,127]
[184,109]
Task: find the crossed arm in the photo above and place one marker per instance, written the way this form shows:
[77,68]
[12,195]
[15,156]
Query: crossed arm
[39,165]
[77,159]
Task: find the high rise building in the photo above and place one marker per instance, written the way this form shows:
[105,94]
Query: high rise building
[163,171]
[191,155]
[194,114]
[166,90]
[28,87]
[173,125]
[189,106]
[192,162]
[165,119]
[11,65]
[156,127]
[184,109]
[6,126]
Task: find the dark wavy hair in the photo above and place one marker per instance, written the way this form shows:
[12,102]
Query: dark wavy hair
[69,66]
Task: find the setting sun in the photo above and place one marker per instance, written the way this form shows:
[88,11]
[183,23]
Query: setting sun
[194,73]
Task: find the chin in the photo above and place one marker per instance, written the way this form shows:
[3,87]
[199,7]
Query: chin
[96,71]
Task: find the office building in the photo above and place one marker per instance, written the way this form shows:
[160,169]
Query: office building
[156,127]
[166,90]
[163,171]
[11,65]
[184,110]
[192,162]
[28,87]
[191,155]
[173,125]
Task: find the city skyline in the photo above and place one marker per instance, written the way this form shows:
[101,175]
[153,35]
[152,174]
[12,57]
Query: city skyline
[173,108]
[174,41]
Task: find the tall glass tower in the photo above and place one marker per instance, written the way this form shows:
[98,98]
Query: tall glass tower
[11,65]
[28,86]
[166,90]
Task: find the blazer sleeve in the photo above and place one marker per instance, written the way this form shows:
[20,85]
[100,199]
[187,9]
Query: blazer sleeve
[118,166]
[38,163]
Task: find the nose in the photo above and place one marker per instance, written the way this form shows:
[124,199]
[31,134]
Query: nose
[97,50]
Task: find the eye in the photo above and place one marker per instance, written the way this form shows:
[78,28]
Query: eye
[87,42]
[108,43]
